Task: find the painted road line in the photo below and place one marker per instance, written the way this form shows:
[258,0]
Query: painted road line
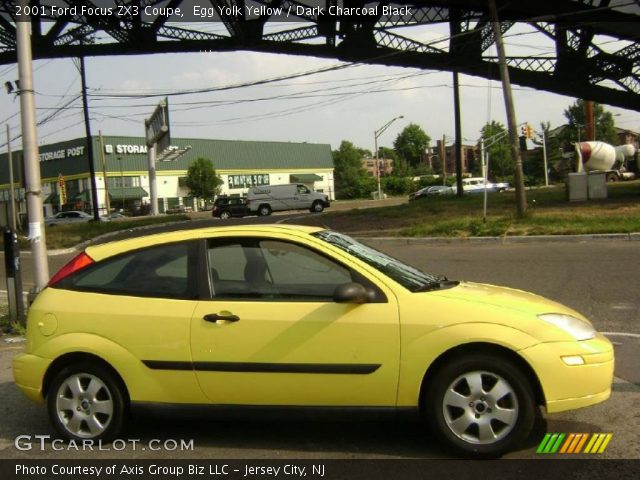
[621,334]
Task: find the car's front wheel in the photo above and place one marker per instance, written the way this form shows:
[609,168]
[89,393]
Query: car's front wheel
[317,207]
[85,401]
[264,210]
[480,405]
[225,215]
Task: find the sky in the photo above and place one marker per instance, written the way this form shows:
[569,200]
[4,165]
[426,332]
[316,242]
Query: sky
[343,104]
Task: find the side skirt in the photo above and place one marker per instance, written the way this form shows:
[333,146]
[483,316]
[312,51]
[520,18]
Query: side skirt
[274,412]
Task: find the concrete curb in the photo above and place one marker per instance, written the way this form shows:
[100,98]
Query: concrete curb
[596,237]
[599,237]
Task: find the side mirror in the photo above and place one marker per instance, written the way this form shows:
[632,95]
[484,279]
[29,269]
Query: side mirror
[350,293]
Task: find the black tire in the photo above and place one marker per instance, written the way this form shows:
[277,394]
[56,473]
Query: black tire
[95,412]
[225,215]
[264,210]
[478,409]
[317,207]
[612,177]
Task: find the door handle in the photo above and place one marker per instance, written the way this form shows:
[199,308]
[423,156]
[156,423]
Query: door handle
[214,317]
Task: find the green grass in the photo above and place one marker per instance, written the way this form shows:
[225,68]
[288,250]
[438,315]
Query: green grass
[69,235]
[6,325]
[548,213]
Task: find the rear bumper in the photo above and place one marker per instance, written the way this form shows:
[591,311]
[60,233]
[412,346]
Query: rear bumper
[28,372]
[567,387]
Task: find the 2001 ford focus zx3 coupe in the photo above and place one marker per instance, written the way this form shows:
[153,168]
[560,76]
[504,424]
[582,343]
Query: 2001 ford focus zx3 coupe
[282,316]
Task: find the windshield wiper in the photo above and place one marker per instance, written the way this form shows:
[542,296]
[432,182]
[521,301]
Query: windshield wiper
[440,282]
[427,287]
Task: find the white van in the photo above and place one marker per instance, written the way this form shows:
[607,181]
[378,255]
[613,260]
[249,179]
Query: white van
[293,196]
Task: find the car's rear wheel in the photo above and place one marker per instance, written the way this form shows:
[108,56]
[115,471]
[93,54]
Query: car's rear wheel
[480,405]
[225,215]
[85,401]
[264,210]
[317,207]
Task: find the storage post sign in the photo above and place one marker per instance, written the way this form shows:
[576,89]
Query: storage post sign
[62,190]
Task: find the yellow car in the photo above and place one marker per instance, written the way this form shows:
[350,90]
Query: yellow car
[284,316]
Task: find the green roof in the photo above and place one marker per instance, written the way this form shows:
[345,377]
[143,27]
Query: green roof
[225,155]
[70,157]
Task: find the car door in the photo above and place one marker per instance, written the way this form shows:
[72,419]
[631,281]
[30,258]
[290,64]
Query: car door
[143,301]
[272,334]
[302,197]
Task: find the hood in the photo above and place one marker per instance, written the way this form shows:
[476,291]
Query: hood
[506,298]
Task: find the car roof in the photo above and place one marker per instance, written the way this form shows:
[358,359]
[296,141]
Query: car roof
[105,250]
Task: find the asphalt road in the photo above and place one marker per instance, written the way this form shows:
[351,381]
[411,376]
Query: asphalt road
[599,279]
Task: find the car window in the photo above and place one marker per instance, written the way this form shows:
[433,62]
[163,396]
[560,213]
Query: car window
[227,261]
[406,275]
[299,272]
[256,269]
[303,189]
[163,271]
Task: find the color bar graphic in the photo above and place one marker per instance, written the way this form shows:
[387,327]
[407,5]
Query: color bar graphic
[573,443]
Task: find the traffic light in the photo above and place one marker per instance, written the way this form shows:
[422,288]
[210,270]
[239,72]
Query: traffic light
[526,131]
[530,133]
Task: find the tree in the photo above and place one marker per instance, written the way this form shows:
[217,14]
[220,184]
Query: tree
[577,121]
[351,180]
[202,180]
[411,144]
[499,150]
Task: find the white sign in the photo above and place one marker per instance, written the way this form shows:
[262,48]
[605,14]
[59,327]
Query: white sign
[128,149]
[62,154]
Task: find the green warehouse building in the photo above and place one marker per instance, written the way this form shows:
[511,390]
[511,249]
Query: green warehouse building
[121,165]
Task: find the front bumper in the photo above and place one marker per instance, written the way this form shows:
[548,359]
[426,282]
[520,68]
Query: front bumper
[28,372]
[567,387]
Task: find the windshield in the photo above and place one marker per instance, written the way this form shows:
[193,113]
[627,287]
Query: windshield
[407,276]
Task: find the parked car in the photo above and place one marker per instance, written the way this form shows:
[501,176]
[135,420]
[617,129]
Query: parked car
[179,209]
[477,185]
[226,207]
[112,216]
[294,196]
[431,191]
[271,316]
[71,216]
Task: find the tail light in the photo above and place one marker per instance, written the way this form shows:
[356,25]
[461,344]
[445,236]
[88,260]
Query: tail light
[76,264]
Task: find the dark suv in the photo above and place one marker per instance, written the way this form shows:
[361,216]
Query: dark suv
[226,207]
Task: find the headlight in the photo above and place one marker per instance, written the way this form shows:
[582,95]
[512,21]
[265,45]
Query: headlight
[579,329]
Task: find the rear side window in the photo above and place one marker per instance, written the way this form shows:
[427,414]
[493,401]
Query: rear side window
[166,271]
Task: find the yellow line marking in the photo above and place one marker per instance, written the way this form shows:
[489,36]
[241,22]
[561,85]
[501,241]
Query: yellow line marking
[605,443]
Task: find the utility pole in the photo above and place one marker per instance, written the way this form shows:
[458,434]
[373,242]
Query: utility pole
[458,128]
[33,183]
[590,124]
[544,158]
[107,202]
[87,129]
[443,153]
[521,198]
[12,191]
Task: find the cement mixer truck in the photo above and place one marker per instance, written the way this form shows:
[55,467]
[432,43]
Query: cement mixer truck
[616,162]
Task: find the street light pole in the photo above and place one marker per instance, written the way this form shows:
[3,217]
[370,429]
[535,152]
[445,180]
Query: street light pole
[33,183]
[376,134]
[121,184]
